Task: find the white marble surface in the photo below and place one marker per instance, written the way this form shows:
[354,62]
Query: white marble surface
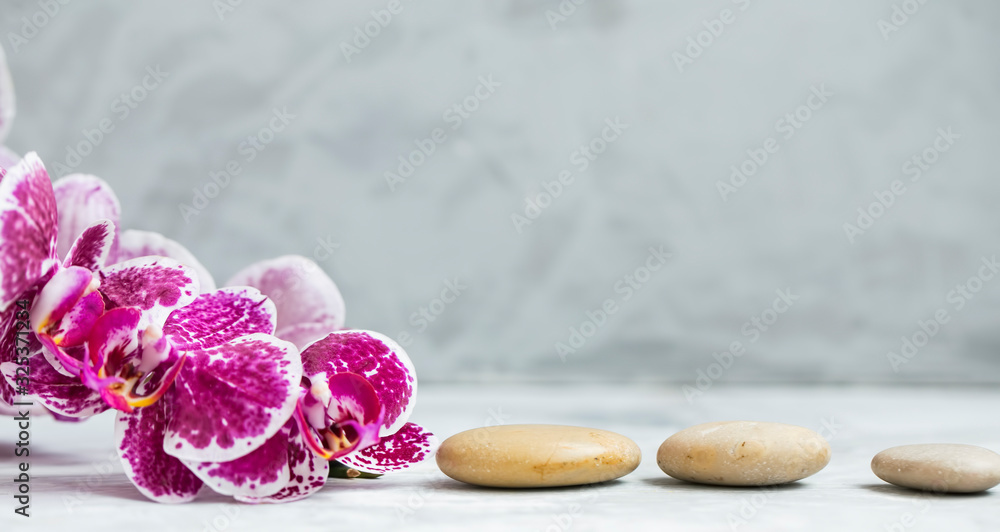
[74,491]
[322,177]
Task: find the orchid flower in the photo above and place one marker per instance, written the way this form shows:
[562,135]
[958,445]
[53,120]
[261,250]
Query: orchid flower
[124,361]
[362,388]
[359,388]
[86,213]
[194,377]
[358,391]
[29,259]
[237,390]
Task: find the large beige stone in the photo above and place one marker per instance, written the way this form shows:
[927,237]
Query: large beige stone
[940,467]
[537,456]
[743,453]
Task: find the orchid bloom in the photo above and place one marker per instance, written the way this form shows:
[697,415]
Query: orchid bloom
[75,219]
[126,360]
[362,388]
[237,390]
[358,391]
[29,259]
[357,394]
[194,378]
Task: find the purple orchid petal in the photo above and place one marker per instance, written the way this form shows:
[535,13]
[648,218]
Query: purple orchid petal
[16,342]
[129,374]
[67,306]
[27,228]
[381,361]
[7,159]
[411,445]
[158,475]
[259,474]
[68,361]
[36,409]
[157,285]
[78,322]
[133,244]
[301,290]
[59,295]
[351,397]
[229,399]
[57,392]
[219,317]
[92,248]
[7,107]
[83,200]
[307,471]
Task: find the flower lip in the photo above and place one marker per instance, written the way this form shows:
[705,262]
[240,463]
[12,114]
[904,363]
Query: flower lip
[120,367]
[340,416]
[59,296]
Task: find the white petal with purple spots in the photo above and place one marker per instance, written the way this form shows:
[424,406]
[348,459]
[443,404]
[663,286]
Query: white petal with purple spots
[158,475]
[375,357]
[301,290]
[82,200]
[229,399]
[156,285]
[92,248]
[220,316]
[57,392]
[411,445]
[133,244]
[27,228]
[307,472]
[14,337]
[259,474]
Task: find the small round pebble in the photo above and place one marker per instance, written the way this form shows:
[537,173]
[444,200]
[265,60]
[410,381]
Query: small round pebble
[743,453]
[537,456]
[940,467]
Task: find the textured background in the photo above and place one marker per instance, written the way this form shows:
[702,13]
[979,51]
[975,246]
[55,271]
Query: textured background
[322,178]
